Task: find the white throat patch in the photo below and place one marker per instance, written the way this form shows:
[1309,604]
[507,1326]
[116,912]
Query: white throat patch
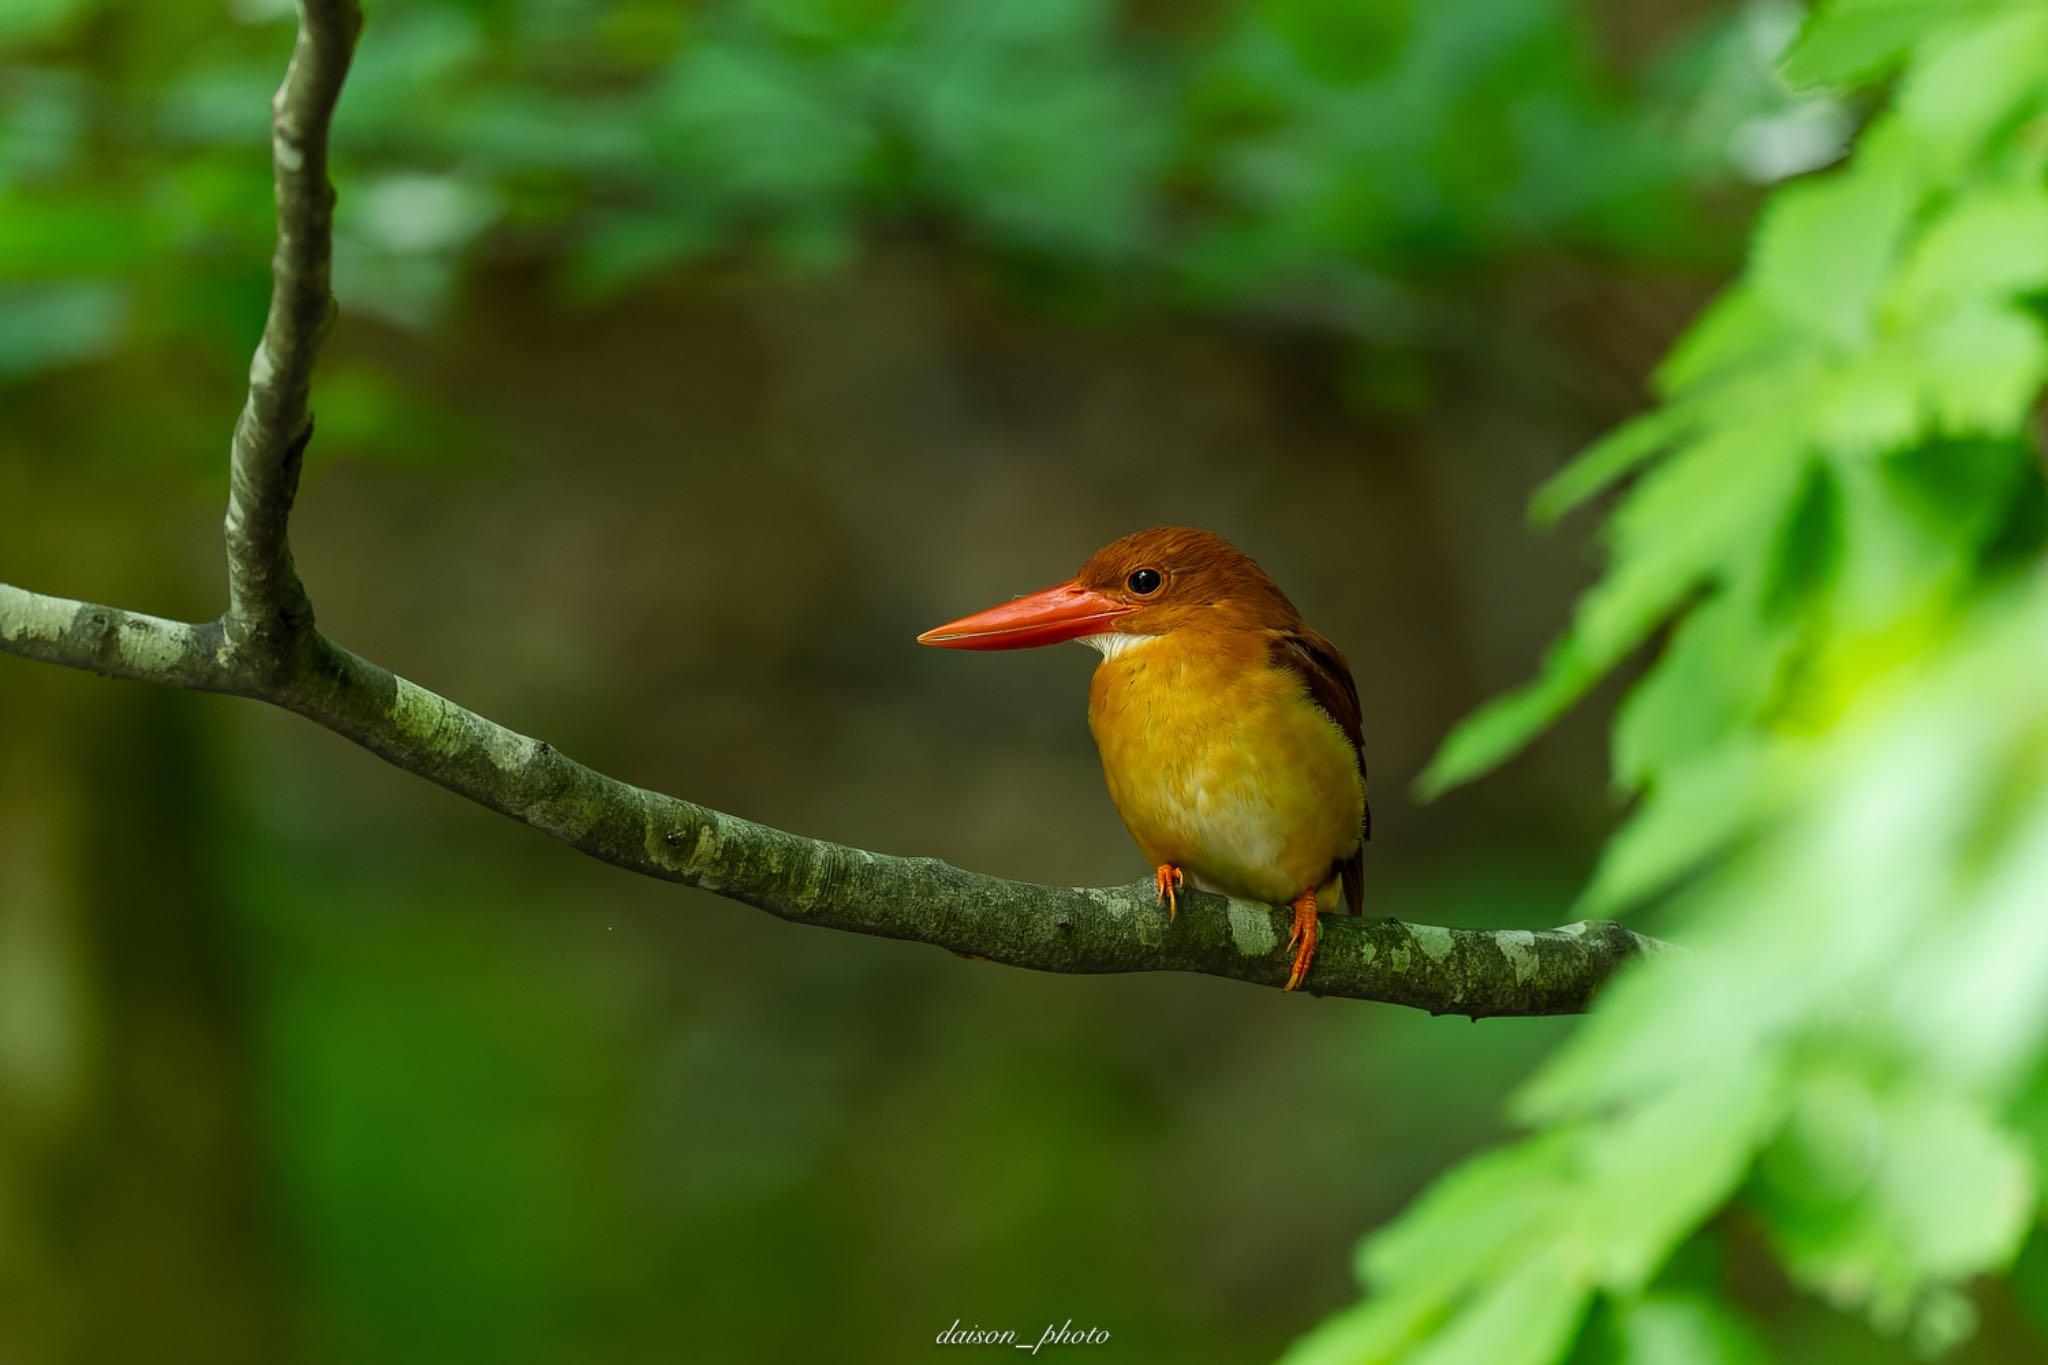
[1115,644]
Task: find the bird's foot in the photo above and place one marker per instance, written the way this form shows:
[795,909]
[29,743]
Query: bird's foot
[1305,935]
[1167,881]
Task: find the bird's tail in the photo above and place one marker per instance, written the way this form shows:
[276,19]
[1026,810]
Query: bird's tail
[1353,871]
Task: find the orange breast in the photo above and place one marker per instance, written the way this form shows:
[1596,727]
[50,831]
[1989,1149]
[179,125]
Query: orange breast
[1220,764]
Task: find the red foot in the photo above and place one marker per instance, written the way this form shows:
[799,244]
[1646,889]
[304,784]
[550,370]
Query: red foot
[1167,881]
[1304,934]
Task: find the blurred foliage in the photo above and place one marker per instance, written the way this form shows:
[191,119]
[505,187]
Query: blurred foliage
[588,1151]
[1841,760]
[1328,163]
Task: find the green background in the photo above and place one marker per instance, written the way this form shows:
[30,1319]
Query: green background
[691,360]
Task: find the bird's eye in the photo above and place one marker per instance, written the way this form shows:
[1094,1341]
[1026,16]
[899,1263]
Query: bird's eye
[1145,582]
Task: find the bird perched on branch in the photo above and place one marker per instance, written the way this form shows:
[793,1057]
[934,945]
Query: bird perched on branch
[1229,731]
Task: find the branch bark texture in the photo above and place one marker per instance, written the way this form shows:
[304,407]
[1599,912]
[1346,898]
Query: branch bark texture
[265,647]
[266,601]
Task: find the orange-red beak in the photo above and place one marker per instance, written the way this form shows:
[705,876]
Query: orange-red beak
[1065,611]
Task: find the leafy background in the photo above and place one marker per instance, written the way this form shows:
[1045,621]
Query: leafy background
[692,358]
[1838,755]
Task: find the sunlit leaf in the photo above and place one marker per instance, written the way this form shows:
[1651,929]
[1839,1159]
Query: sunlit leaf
[1869,404]
[1648,1178]
[1709,686]
[1671,532]
[1852,42]
[1841,752]
[1980,80]
[1993,244]
[1823,250]
[1685,818]
[1981,367]
[1669,1328]
[1527,1317]
[1375,1332]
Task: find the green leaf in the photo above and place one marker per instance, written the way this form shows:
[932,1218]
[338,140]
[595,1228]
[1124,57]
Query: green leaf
[1500,729]
[1675,1013]
[1491,1201]
[1738,326]
[1970,89]
[1471,1224]
[1650,1175]
[1981,368]
[1688,816]
[1807,559]
[1988,244]
[1855,42]
[1894,569]
[1958,491]
[1873,1196]
[1708,686]
[1610,458]
[1375,1332]
[1973,1005]
[1687,1328]
[1671,532]
[1823,248]
[1870,404]
[1527,1317]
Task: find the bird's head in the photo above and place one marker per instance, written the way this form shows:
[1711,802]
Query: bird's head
[1148,583]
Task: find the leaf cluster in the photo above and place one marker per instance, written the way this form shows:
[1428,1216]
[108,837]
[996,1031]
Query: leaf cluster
[1833,522]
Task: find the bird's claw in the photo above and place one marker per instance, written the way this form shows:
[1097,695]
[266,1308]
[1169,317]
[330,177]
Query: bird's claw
[1305,935]
[1166,883]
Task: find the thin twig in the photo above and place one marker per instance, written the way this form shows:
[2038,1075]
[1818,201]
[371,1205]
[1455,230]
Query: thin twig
[267,605]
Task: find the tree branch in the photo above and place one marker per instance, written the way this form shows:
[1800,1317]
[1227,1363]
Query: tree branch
[115,643]
[810,881]
[267,604]
[265,648]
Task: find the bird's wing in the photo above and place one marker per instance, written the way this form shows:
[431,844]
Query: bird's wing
[1321,666]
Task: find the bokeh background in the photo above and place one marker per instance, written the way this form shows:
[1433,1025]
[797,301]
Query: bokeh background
[691,359]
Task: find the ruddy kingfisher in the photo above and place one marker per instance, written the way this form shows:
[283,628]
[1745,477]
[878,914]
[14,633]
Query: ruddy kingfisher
[1229,731]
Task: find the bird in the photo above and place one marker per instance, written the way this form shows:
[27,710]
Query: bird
[1230,732]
